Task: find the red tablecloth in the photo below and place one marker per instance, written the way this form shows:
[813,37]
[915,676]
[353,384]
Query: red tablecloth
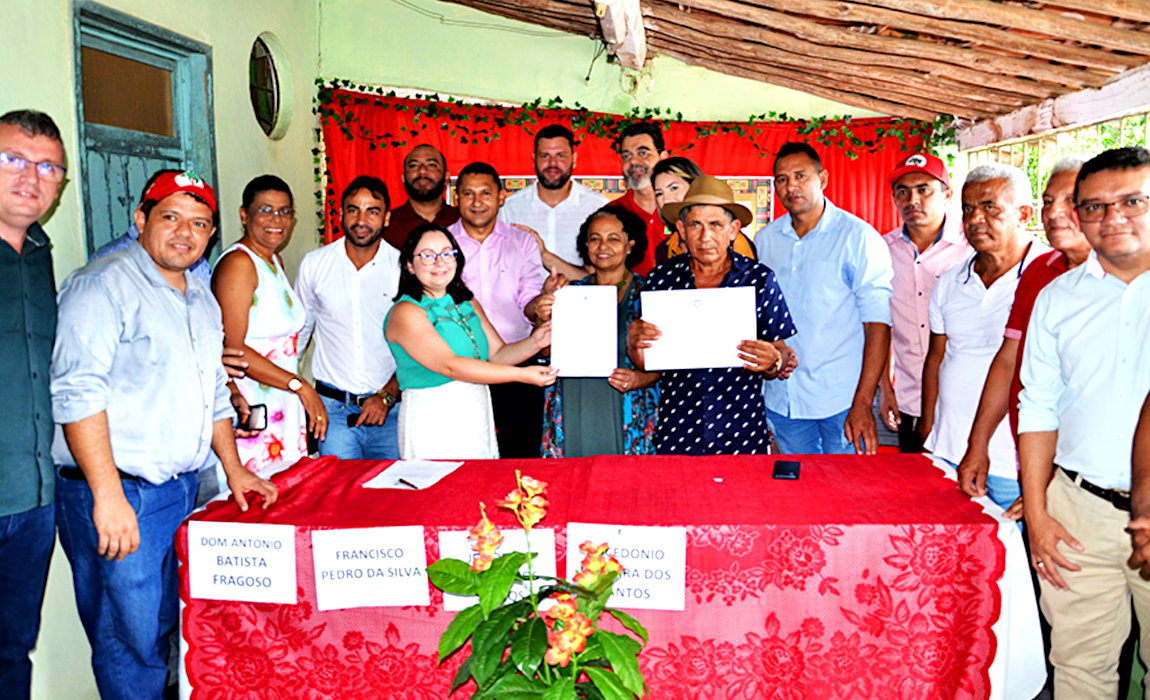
[867,578]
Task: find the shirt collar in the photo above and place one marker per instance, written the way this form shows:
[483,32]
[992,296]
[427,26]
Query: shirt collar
[1031,251]
[1093,266]
[144,261]
[36,235]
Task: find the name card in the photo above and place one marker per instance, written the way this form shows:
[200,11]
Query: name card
[655,559]
[249,562]
[370,567]
[453,544]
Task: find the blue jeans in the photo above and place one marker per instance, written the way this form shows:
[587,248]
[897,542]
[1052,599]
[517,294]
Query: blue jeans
[130,607]
[1002,491]
[26,542]
[375,442]
[810,436]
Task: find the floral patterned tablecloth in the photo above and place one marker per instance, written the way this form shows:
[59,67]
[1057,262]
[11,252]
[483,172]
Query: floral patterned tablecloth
[870,577]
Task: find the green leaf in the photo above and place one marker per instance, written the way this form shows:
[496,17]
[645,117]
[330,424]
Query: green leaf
[529,645]
[512,687]
[453,576]
[588,691]
[629,622]
[609,684]
[483,667]
[461,675]
[491,636]
[459,630]
[621,652]
[496,582]
[592,650]
[559,691]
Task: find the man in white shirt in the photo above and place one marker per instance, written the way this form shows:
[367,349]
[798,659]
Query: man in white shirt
[555,206]
[1085,374]
[968,311]
[348,288]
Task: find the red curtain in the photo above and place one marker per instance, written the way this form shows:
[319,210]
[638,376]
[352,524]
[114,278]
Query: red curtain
[369,134]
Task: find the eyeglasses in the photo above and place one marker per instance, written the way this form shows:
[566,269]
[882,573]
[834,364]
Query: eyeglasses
[47,171]
[430,257]
[1131,207]
[269,211]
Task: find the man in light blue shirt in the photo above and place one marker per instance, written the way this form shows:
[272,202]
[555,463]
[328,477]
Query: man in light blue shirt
[139,394]
[1085,373]
[835,272]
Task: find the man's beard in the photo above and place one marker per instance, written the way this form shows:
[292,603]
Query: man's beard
[436,192]
[638,177]
[369,242]
[556,184]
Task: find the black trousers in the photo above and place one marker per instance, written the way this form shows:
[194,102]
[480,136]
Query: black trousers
[518,410]
[908,439]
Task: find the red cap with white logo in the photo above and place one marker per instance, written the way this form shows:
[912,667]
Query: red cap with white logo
[921,163]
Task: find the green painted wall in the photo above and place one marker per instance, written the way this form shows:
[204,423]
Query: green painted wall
[36,72]
[451,49]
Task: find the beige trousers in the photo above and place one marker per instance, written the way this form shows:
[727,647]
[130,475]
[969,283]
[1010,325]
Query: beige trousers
[1090,622]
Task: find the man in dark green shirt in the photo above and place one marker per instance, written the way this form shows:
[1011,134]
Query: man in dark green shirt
[31,171]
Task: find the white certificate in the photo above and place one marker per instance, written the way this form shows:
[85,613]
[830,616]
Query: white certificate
[702,328]
[584,331]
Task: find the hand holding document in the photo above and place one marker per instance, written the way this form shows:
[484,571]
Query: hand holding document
[584,326]
[701,328]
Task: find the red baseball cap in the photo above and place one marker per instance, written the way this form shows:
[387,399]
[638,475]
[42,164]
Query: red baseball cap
[921,163]
[187,181]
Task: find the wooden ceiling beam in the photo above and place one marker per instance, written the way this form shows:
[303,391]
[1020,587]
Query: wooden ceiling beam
[1051,24]
[782,80]
[797,35]
[975,58]
[700,32]
[989,37]
[571,21]
[1137,11]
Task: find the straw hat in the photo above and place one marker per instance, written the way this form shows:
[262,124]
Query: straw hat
[713,191]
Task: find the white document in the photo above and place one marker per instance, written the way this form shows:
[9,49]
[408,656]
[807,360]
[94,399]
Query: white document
[411,474]
[655,559]
[370,567]
[252,562]
[584,331]
[702,328]
[453,544]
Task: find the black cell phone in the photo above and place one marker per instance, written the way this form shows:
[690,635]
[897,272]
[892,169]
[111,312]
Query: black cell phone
[352,419]
[786,470]
[257,419]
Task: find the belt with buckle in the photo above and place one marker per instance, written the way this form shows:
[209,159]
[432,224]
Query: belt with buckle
[331,392]
[1118,498]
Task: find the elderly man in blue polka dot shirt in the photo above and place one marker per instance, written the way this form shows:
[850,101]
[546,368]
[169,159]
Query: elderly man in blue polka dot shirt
[720,410]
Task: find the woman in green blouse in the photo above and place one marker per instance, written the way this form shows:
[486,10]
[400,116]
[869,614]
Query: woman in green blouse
[447,352]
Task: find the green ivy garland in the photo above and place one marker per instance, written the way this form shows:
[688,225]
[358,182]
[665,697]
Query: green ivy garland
[332,108]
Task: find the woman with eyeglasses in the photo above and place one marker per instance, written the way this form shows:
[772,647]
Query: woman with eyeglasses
[263,315]
[447,352]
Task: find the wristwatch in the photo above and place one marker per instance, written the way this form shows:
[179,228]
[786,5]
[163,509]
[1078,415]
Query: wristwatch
[295,384]
[389,400]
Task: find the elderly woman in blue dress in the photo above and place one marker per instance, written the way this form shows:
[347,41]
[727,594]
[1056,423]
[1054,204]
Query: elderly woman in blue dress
[586,416]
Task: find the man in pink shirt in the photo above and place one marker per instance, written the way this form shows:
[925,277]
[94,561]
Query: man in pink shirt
[503,269]
[927,244]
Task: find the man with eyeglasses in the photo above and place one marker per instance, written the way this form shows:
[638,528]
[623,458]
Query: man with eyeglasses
[347,288]
[1085,375]
[504,270]
[425,178]
[31,171]
[927,244]
[968,311]
[640,147]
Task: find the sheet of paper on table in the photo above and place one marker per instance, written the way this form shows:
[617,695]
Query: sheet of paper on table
[701,328]
[584,328]
[453,544]
[370,567]
[251,562]
[411,474]
[655,559]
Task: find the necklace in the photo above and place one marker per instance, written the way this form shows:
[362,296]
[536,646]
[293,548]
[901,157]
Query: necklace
[457,319]
[621,284]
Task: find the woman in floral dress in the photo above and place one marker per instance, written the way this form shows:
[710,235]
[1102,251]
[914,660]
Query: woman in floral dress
[263,315]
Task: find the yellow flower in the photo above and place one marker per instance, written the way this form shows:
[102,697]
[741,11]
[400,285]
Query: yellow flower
[487,539]
[566,608]
[572,639]
[526,501]
[596,565]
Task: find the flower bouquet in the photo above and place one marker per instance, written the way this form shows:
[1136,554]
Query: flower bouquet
[519,651]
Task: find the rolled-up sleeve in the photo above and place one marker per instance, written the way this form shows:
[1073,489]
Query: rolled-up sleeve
[531,274]
[1041,373]
[937,301]
[872,282]
[86,338]
[224,409]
